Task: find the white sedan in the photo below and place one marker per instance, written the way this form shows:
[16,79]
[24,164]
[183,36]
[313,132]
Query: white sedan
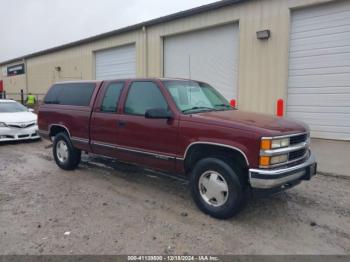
[17,122]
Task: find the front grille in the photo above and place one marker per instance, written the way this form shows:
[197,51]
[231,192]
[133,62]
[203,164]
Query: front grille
[298,139]
[297,154]
[297,151]
[23,136]
[6,136]
[21,125]
[295,163]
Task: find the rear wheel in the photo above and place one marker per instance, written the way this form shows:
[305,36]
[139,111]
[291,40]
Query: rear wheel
[66,156]
[216,188]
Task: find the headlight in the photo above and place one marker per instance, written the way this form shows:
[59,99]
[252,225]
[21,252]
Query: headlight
[269,143]
[2,124]
[278,143]
[278,159]
[266,161]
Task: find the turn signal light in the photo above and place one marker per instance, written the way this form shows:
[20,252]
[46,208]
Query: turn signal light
[265,144]
[264,161]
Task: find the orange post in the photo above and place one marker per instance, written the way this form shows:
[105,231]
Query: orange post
[233,102]
[280,107]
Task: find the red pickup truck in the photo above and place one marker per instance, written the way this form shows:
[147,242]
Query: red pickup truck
[182,127]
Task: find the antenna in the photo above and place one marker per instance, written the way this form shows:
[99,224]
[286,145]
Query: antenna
[189,66]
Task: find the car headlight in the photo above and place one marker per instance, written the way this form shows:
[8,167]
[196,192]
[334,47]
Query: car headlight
[278,159]
[270,143]
[266,161]
[278,143]
[2,124]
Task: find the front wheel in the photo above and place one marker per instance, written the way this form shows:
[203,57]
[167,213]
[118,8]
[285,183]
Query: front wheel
[66,156]
[216,188]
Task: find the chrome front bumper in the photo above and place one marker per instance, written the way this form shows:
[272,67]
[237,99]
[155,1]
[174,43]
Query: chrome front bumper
[272,178]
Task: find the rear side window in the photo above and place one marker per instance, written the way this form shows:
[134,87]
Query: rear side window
[143,96]
[75,94]
[52,96]
[111,97]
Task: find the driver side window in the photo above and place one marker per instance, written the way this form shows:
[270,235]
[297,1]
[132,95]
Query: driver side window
[143,96]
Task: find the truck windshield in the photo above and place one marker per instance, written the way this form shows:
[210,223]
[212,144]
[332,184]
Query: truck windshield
[193,97]
[12,107]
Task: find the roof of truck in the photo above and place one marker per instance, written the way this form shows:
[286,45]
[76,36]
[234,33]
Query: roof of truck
[127,79]
[79,81]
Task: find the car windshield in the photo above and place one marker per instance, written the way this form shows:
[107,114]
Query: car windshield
[12,107]
[193,97]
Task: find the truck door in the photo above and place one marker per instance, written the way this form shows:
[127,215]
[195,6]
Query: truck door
[103,123]
[149,142]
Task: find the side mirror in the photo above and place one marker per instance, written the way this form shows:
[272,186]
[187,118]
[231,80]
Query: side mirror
[158,113]
[31,110]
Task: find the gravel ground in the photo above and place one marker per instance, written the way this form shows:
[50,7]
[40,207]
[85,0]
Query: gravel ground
[125,210]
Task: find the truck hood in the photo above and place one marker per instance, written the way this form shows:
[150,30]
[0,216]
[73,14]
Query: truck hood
[267,124]
[18,117]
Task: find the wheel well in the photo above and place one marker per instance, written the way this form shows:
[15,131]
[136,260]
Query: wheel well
[55,129]
[231,156]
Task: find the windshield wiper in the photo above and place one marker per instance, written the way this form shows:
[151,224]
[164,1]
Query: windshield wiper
[226,106]
[199,108]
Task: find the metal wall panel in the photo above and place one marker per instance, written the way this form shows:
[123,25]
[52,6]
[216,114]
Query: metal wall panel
[319,69]
[13,84]
[78,63]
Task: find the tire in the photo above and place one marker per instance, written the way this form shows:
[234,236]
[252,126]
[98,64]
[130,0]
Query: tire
[211,178]
[66,156]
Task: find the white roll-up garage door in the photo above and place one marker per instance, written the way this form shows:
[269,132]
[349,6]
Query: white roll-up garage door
[116,63]
[319,69]
[209,55]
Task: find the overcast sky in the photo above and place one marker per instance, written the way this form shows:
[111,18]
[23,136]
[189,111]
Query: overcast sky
[32,25]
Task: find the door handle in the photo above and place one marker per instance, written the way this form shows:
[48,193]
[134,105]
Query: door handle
[121,123]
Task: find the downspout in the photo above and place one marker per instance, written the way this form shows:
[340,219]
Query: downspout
[144,29]
[26,74]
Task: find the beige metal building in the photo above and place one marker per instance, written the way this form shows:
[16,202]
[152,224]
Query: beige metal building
[254,51]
